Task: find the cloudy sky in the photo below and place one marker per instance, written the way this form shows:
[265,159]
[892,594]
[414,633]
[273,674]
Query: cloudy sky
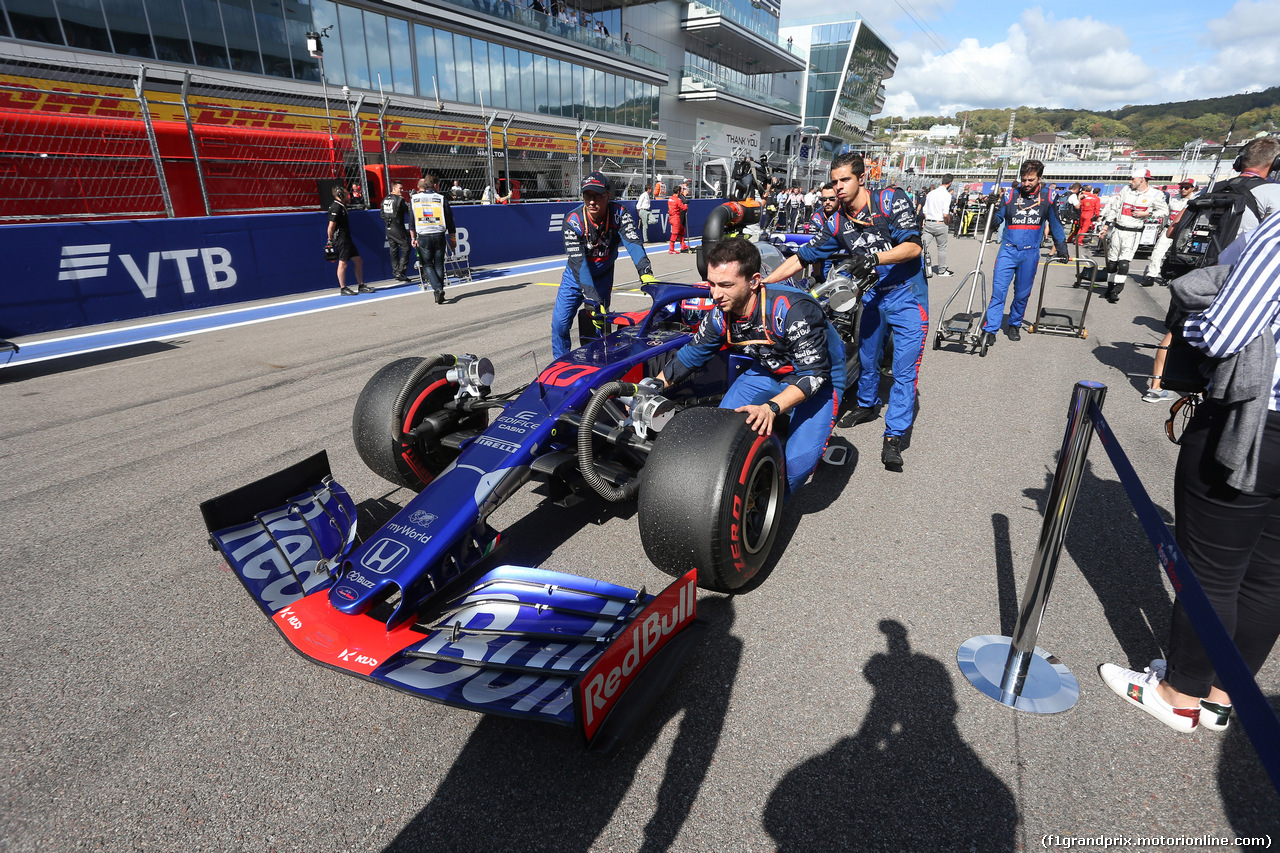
[963,54]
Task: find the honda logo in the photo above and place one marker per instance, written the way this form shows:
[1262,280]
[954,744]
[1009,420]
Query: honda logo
[384,555]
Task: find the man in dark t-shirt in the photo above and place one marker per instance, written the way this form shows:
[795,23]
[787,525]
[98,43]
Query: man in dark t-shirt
[340,239]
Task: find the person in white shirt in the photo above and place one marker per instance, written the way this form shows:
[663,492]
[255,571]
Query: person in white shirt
[644,209]
[1177,204]
[810,202]
[937,216]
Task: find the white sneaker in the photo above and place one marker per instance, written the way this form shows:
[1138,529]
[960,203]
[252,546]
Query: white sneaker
[1213,716]
[1139,688]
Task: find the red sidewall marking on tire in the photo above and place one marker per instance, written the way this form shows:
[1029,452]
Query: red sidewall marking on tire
[406,451]
[735,525]
[751,455]
[413,410]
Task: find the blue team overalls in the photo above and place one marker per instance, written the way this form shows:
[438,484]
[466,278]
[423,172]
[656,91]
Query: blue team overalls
[1024,220]
[811,422]
[895,302]
[588,276]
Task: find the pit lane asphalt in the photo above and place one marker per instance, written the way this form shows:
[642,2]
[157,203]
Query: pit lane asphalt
[150,706]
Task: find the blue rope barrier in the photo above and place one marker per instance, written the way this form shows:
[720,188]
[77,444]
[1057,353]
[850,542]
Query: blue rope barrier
[1253,709]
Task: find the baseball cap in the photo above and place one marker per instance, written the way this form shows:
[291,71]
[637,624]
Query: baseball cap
[1140,172]
[596,182]
[1189,183]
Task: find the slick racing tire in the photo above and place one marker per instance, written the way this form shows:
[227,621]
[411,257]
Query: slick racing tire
[711,498]
[412,463]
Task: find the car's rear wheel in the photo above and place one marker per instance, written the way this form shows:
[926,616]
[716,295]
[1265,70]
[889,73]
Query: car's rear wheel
[390,453]
[711,498]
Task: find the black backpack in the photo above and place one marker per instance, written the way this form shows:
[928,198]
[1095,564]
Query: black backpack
[1208,225]
[390,209]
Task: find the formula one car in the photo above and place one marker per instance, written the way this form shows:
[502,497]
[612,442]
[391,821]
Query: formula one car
[419,605]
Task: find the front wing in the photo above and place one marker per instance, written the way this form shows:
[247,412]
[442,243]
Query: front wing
[508,640]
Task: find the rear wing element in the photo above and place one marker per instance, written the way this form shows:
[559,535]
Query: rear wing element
[509,640]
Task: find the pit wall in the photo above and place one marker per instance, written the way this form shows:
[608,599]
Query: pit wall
[72,274]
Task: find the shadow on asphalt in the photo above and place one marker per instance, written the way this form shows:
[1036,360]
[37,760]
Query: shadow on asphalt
[1115,556]
[1006,578]
[1155,324]
[20,372]
[905,781]
[488,291]
[1249,799]
[1128,359]
[524,787]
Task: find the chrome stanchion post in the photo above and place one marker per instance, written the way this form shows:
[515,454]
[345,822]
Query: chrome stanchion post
[1015,672]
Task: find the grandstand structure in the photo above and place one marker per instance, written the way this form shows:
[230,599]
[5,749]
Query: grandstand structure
[160,108]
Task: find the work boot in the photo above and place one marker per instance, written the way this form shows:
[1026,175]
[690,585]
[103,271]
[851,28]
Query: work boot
[891,453]
[858,415]
[1013,333]
[989,338]
[1113,292]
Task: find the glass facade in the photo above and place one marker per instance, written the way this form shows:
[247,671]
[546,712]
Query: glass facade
[754,82]
[848,64]
[364,50]
[760,18]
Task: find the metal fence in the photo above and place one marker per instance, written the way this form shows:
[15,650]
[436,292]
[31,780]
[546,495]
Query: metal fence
[84,141]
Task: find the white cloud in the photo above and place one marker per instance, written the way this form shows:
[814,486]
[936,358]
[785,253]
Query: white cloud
[1076,62]
[1247,44]
[1081,62]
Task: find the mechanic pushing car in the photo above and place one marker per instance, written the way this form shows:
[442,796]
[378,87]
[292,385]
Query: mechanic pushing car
[799,357]
[879,232]
[592,235]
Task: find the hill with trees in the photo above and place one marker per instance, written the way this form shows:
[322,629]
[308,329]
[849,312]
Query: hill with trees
[1153,126]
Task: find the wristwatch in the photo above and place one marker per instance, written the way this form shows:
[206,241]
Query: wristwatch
[773,407]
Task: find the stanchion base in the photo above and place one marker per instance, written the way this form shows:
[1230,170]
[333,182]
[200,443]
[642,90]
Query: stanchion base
[1050,687]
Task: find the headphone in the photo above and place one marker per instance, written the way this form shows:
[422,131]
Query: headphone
[1238,165]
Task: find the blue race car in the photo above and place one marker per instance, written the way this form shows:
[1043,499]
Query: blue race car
[422,604]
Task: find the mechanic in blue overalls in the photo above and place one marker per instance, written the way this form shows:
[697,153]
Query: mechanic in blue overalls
[818,223]
[1024,212]
[798,356]
[879,232]
[592,235]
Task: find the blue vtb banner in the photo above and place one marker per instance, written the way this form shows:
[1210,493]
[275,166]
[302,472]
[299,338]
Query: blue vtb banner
[66,275]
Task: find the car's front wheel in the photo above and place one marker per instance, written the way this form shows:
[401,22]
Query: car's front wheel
[711,498]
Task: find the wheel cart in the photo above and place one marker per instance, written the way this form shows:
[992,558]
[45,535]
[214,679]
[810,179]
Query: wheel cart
[965,328]
[457,266]
[1064,321]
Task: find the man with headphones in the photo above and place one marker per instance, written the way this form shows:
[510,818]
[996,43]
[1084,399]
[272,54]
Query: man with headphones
[1259,159]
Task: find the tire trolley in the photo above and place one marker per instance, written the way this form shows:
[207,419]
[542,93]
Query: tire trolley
[1065,321]
[965,328]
